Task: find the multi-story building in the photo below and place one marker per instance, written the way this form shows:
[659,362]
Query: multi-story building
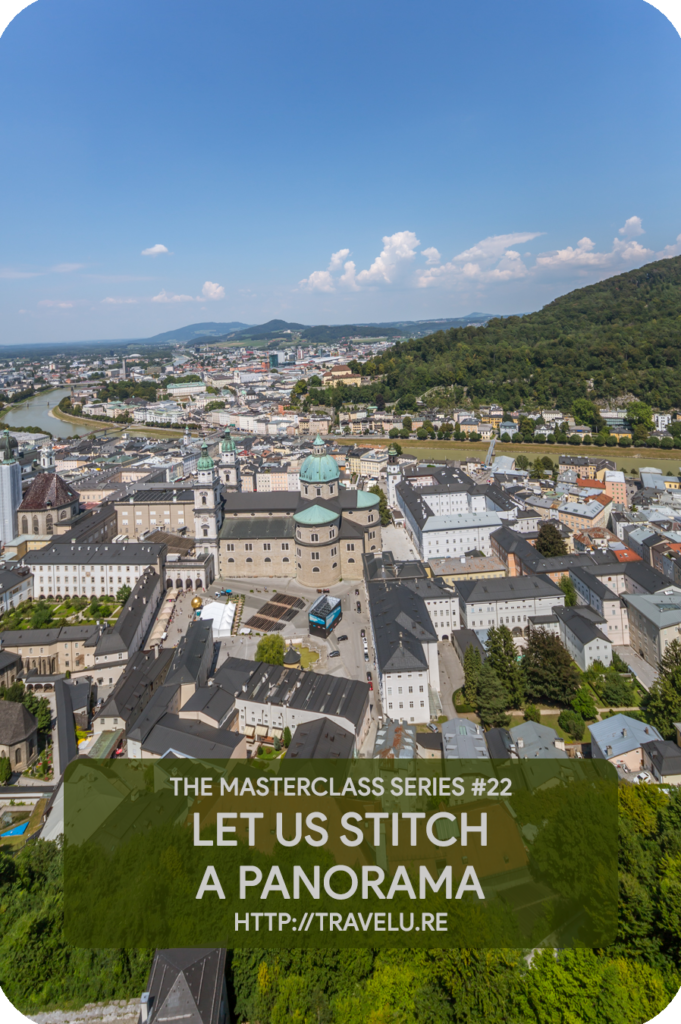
[581,515]
[91,570]
[509,601]
[592,591]
[654,621]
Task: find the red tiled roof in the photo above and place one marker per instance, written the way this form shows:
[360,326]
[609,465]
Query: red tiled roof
[626,555]
[47,487]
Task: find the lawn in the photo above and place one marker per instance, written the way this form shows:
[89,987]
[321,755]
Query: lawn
[307,657]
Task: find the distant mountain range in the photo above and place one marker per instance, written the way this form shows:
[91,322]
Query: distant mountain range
[196,331]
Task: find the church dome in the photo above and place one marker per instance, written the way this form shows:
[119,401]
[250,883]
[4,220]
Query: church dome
[319,468]
[205,462]
[227,444]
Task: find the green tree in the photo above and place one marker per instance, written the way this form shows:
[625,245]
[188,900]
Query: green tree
[123,593]
[532,713]
[393,432]
[550,542]
[662,704]
[503,657]
[583,703]
[5,771]
[315,381]
[271,649]
[472,663]
[521,461]
[407,422]
[568,588]
[287,737]
[40,616]
[492,699]
[383,508]
[640,415]
[422,434]
[550,674]
[572,723]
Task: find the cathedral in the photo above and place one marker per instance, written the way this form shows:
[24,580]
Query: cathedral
[318,535]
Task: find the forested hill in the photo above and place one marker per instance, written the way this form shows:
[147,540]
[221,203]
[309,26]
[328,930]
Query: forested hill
[624,334]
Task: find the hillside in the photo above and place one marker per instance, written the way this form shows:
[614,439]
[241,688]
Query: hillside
[624,334]
[195,331]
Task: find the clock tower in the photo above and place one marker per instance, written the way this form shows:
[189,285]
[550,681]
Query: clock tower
[207,508]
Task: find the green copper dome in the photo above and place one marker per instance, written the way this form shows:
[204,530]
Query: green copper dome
[319,468]
[205,462]
[227,444]
[365,499]
[315,515]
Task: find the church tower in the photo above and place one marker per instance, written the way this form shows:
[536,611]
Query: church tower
[394,476]
[47,458]
[228,469]
[207,507]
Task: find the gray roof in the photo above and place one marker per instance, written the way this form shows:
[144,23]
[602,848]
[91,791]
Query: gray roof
[621,734]
[212,702]
[320,738]
[145,671]
[64,735]
[7,659]
[152,496]
[257,528]
[165,698]
[401,625]
[594,583]
[508,588]
[191,738]
[644,576]
[305,691]
[382,565]
[662,609]
[187,984]
[9,580]
[534,740]
[119,637]
[580,626]
[513,542]
[28,637]
[95,554]
[665,756]
[462,738]
[395,740]
[193,655]
[250,501]
[16,724]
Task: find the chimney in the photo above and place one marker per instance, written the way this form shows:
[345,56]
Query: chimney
[624,731]
[156,651]
[521,743]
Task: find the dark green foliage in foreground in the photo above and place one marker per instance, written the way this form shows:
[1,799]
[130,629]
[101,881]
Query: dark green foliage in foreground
[550,541]
[624,333]
[37,969]
[628,983]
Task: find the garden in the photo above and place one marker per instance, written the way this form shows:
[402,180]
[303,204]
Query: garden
[68,611]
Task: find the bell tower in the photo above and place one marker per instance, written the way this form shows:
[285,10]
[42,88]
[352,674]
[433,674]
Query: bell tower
[228,469]
[394,474]
[47,458]
[207,507]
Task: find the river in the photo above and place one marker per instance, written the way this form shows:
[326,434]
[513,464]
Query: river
[34,412]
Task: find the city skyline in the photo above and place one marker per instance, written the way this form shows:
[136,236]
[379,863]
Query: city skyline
[244,163]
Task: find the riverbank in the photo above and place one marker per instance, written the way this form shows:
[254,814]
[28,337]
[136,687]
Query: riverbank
[99,426]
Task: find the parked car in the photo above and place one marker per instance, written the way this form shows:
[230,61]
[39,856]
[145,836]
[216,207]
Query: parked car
[369,678]
[366,654]
[643,777]
[334,654]
[343,637]
[432,726]
[359,606]
[357,591]
[363,633]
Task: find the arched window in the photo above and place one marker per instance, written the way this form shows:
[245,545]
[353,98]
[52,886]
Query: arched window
[49,526]
[203,499]
[316,569]
[350,559]
[268,559]
[63,513]
[24,524]
[205,531]
[334,565]
[169,584]
[178,584]
[36,525]
[230,559]
[284,559]
[249,559]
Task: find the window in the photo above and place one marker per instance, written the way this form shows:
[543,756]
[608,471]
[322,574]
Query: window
[371,519]
[333,551]
[349,547]
[205,531]
[248,547]
[284,547]
[267,547]
[314,555]
[284,559]
[314,537]
[316,569]
[350,559]
[229,547]
[249,559]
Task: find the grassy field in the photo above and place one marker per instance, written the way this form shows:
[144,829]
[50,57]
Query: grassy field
[625,458]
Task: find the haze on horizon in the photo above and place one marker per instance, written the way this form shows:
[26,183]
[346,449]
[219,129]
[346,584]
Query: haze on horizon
[172,163]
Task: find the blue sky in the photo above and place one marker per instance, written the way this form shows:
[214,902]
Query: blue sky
[327,162]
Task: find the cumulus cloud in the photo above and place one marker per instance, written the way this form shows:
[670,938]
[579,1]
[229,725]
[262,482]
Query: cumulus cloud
[632,227]
[155,250]
[584,254]
[491,260]
[211,290]
[164,296]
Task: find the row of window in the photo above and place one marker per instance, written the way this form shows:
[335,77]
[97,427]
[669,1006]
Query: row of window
[401,705]
[249,547]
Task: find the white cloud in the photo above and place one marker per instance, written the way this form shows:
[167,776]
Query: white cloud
[632,228]
[211,290]
[397,250]
[66,268]
[155,250]
[319,281]
[431,254]
[488,260]
[624,250]
[164,296]
[670,250]
[14,275]
[55,304]
[338,259]
[119,302]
